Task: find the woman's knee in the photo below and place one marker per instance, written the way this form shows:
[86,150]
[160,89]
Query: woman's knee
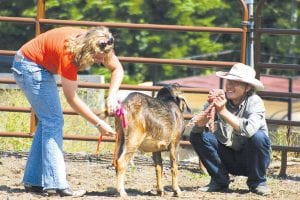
[54,121]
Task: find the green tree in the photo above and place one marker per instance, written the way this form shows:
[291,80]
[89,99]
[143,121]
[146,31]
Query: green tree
[146,43]
[13,35]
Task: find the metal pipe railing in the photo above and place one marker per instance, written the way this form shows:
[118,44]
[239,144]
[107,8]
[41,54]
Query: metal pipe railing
[40,20]
[194,63]
[259,66]
[156,88]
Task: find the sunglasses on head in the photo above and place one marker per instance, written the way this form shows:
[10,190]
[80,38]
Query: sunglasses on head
[103,44]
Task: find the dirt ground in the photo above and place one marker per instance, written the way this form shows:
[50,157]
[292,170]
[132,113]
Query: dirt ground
[97,176]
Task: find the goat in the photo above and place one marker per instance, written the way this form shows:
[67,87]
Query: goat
[153,125]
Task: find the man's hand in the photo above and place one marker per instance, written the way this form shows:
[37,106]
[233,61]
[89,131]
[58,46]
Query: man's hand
[220,100]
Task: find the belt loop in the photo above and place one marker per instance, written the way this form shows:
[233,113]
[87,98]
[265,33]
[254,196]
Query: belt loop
[19,57]
[19,53]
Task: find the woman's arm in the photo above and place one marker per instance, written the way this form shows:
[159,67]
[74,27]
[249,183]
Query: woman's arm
[117,74]
[70,89]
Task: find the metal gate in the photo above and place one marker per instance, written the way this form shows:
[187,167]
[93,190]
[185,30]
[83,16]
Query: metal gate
[250,26]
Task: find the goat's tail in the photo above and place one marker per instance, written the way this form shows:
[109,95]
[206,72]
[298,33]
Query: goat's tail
[114,162]
[119,116]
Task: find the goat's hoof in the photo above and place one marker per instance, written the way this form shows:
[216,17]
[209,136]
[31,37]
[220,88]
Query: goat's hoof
[123,194]
[160,193]
[177,193]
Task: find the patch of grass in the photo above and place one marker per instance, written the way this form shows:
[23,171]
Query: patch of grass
[191,174]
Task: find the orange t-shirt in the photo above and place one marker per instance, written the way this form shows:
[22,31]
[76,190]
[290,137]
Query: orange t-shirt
[48,49]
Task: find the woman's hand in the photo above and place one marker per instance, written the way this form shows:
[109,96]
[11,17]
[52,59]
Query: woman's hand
[105,129]
[112,105]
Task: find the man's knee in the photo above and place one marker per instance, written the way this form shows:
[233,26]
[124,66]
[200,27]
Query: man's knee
[259,140]
[195,138]
[202,138]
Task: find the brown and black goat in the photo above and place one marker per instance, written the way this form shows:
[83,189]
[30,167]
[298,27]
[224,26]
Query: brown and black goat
[152,125]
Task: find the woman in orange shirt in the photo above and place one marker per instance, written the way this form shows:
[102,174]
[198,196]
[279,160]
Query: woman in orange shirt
[63,51]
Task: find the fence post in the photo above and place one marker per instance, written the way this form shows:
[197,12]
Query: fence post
[250,38]
[283,166]
[40,15]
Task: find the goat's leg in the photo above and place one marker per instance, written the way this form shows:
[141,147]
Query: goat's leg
[131,145]
[158,170]
[174,170]
[122,164]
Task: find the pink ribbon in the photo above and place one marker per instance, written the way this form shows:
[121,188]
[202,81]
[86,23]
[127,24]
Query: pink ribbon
[121,113]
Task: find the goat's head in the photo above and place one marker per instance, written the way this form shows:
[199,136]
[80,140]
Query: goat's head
[171,93]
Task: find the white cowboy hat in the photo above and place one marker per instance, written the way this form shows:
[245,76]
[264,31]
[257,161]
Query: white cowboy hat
[243,73]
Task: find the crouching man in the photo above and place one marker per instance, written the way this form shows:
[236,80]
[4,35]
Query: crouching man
[239,143]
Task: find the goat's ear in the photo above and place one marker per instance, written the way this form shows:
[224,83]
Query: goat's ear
[183,105]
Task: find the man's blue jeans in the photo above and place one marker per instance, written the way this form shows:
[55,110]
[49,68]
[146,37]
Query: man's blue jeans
[252,161]
[45,165]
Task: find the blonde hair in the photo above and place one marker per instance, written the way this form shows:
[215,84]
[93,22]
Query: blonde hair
[85,46]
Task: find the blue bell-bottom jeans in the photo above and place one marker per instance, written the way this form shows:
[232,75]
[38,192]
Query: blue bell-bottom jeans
[45,164]
[251,161]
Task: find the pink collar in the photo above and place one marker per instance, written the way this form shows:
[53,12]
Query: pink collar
[121,113]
